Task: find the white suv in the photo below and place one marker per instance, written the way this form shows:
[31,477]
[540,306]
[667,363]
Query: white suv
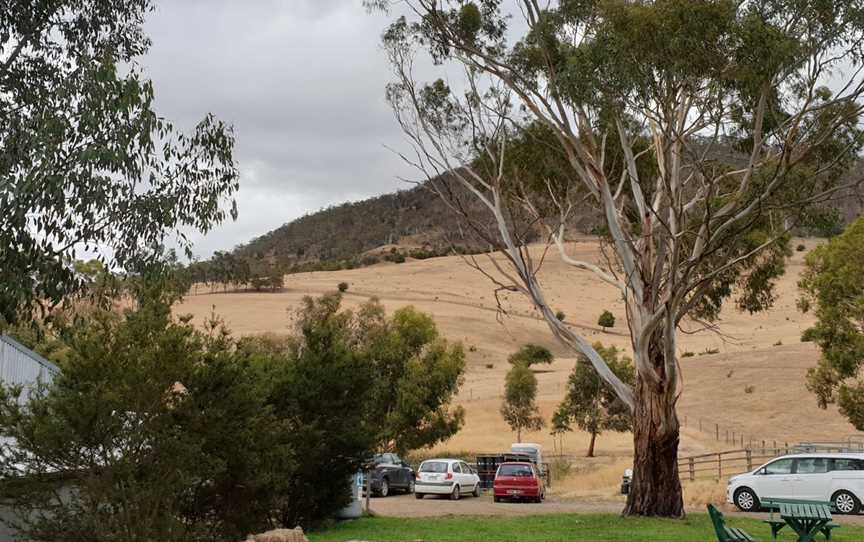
[446,477]
[838,478]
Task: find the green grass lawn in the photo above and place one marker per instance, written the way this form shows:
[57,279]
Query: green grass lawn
[552,528]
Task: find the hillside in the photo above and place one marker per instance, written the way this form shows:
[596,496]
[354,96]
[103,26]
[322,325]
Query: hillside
[413,218]
[417,219]
[754,383]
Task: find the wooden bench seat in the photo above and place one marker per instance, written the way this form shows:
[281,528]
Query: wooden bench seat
[724,532]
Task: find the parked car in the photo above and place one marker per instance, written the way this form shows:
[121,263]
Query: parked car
[518,481]
[834,477]
[389,473]
[446,477]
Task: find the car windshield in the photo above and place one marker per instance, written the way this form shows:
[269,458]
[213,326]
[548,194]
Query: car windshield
[433,466]
[520,471]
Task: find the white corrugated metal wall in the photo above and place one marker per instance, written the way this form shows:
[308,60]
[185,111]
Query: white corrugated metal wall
[21,366]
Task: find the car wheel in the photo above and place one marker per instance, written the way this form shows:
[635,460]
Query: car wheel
[411,486]
[746,500]
[385,488]
[476,491]
[496,499]
[845,502]
[454,496]
[418,495]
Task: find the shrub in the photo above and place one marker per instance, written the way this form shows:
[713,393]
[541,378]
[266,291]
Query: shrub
[800,248]
[607,319]
[343,286]
[749,389]
[560,467]
[217,437]
[530,354]
[779,343]
[172,407]
[472,348]
[560,315]
[687,354]
[368,259]
[809,335]
[709,351]
[490,365]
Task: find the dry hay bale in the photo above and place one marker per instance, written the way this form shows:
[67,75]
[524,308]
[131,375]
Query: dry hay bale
[279,535]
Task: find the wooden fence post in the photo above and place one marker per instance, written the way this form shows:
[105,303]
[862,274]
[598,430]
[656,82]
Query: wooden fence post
[692,470]
[719,466]
[717,430]
[749,460]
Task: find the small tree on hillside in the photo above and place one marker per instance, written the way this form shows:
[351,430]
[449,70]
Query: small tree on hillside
[519,410]
[833,286]
[607,319]
[531,354]
[590,403]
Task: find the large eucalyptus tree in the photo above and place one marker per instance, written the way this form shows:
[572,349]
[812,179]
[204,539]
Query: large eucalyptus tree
[701,131]
[85,161]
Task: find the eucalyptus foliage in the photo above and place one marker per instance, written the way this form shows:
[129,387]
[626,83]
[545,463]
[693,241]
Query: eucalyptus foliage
[85,160]
[590,403]
[700,132]
[833,288]
[519,408]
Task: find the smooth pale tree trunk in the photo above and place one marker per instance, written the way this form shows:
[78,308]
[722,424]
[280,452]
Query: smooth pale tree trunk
[591,444]
[655,489]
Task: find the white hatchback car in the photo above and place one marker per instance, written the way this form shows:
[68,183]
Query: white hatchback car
[446,477]
[838,478]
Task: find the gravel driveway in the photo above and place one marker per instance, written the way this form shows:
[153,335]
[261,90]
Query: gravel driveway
[406,506]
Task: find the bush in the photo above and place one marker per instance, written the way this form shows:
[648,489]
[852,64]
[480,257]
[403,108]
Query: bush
[687,354]
[343,286]
[160,408]
[530,354]
[709,351]
[607,319]
[801,248]
[369,259]
[490,365]
[220,438]
[779,343]
[749,389]
[809,335]
[560,315]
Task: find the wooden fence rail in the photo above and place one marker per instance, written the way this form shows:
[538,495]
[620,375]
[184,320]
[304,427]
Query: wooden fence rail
[720,464]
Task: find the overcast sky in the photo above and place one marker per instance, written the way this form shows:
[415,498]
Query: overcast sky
[302,81]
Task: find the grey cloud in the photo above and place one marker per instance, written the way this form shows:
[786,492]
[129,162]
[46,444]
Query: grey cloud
[301,81]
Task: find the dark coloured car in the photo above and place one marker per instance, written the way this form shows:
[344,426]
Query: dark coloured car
[389,473]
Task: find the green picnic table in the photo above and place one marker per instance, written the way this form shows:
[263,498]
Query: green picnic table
[807,519]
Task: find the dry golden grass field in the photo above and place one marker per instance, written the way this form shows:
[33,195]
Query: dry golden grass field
[754,385]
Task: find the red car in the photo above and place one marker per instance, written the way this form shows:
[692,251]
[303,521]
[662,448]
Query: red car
[518,481]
